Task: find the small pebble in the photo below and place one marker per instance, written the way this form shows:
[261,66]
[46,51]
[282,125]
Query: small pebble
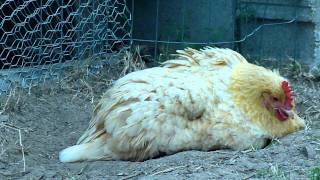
[309,152]
[122,174]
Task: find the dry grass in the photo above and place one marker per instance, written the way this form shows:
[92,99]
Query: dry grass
[81,82]
[82,79]
[306,90]
[77,81]
[132,61]
[11,136]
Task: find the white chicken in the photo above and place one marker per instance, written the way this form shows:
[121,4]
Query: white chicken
[202,100]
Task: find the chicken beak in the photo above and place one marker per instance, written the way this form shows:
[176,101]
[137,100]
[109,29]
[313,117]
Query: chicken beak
[290,113]
[300,122]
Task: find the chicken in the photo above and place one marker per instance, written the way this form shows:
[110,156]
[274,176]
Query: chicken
[204,100]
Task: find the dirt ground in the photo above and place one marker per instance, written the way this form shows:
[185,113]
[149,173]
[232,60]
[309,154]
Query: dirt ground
[50,119]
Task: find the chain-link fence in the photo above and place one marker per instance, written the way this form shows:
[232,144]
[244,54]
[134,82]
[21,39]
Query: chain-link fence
[38,38]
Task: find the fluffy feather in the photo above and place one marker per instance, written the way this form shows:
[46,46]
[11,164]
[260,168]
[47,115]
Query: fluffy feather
[202,100]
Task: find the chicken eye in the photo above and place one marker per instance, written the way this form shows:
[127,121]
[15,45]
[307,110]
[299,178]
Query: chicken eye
[275,99]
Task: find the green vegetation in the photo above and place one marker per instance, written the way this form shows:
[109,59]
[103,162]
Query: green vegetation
[314,174]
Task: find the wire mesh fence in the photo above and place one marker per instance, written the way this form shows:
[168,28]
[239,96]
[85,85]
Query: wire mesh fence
[39,38]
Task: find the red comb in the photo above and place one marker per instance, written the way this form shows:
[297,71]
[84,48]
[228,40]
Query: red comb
[288,103]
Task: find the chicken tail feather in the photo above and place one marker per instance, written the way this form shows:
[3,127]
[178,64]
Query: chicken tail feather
[95,150]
